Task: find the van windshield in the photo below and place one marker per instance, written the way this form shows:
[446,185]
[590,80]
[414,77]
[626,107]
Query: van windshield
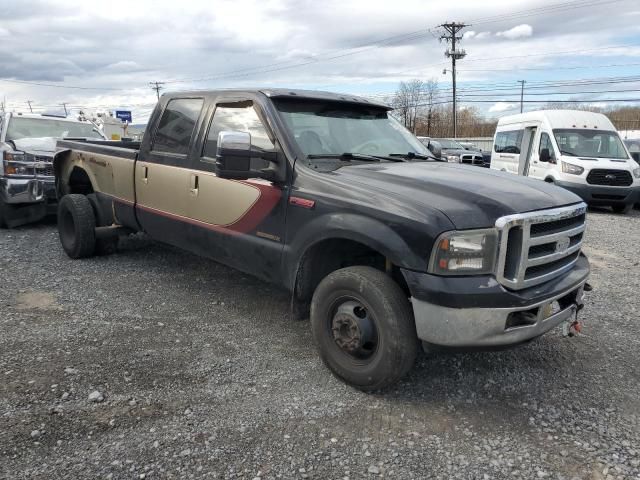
[48,127]
[327,128]
[590,143]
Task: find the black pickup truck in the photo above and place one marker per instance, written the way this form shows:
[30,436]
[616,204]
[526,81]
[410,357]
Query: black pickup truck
[331,198]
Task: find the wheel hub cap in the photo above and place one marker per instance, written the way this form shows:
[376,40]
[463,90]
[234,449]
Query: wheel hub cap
[351,327]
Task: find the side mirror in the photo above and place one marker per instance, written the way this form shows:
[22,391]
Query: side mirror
[544,155]
[234,154]
[435,148]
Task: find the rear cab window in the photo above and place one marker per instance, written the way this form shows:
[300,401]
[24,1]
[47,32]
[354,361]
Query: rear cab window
[176,126]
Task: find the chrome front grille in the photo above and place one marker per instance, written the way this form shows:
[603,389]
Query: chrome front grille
[537,246]
[471,158]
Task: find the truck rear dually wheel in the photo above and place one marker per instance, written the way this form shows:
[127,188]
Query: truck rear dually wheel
[76,226]
[364,328]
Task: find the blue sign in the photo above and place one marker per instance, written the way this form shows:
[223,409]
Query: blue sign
[124,115]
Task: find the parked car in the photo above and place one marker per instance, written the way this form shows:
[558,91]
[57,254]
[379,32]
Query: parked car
[580,151]
[329,197]
[486,156]
[634,149]
[27,145]
[454,152]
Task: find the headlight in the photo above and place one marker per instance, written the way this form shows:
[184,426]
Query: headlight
[571,168]
[14,164]
[453,158]
[636,172]
[464,253]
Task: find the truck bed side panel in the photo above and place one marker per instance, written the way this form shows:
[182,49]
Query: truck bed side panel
[111,172]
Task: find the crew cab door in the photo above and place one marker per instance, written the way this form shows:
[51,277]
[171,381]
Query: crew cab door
[240,222]
[162,176]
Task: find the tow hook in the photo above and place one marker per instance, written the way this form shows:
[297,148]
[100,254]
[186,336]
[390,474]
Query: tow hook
[573,328]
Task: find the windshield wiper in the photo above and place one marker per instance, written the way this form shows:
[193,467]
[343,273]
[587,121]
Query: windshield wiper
[412,155]
[346,156]
[564,152]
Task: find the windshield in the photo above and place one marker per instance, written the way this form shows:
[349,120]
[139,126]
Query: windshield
[48,127]
[590,143]
[333,128]
[449,144]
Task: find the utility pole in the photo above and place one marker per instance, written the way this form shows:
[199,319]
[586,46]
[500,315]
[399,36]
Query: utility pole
[452,29]
[521,82]
[30,109]
[156,86]
[64,105]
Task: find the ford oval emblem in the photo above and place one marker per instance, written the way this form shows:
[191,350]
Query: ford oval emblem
[562,245]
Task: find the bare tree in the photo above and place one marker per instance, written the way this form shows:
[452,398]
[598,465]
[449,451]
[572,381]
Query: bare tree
[430,92]
[407,102]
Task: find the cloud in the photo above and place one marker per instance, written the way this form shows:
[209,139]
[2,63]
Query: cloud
[520,31]
[471,34]
[501,107]
[331,45]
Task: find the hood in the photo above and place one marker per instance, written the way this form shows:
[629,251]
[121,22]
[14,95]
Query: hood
[470,197]
[37,146]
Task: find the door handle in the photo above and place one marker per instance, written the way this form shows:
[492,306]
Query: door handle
[535,161]
[195,184]
[145,174]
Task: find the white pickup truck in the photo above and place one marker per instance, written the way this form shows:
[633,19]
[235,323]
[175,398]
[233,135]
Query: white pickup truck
[27,145]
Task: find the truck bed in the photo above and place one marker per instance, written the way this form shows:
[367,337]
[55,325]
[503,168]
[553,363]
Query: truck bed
[122,149]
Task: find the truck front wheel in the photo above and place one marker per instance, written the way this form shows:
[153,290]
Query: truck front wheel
[364,328]
[76,226]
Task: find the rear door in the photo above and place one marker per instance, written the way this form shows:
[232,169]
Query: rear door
[527,149]
[163,177]
[238,222]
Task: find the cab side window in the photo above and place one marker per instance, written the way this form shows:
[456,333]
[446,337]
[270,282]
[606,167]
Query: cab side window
[508,142]
[176,126]
[545,142]
[238,117]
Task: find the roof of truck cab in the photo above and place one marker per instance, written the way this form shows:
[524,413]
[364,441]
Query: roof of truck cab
[562,119]
[292,93]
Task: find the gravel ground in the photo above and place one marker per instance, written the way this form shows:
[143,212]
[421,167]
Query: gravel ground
[153,363]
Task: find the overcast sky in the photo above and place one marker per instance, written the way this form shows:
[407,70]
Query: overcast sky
[114,49]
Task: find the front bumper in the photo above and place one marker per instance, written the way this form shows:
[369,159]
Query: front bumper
[479,312]
[19,190]
[602,194]
[27,199]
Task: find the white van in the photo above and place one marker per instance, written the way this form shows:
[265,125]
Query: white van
[580,151]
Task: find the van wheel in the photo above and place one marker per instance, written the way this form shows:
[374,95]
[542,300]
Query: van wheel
[622,208]
[76,226]
[364,328]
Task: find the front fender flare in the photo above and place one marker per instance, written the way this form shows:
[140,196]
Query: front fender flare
[349,226]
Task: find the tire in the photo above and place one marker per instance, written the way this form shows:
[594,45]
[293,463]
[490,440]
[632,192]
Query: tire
[3,223]
[352,300]
[626,208]
[104,246]
[76,226]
